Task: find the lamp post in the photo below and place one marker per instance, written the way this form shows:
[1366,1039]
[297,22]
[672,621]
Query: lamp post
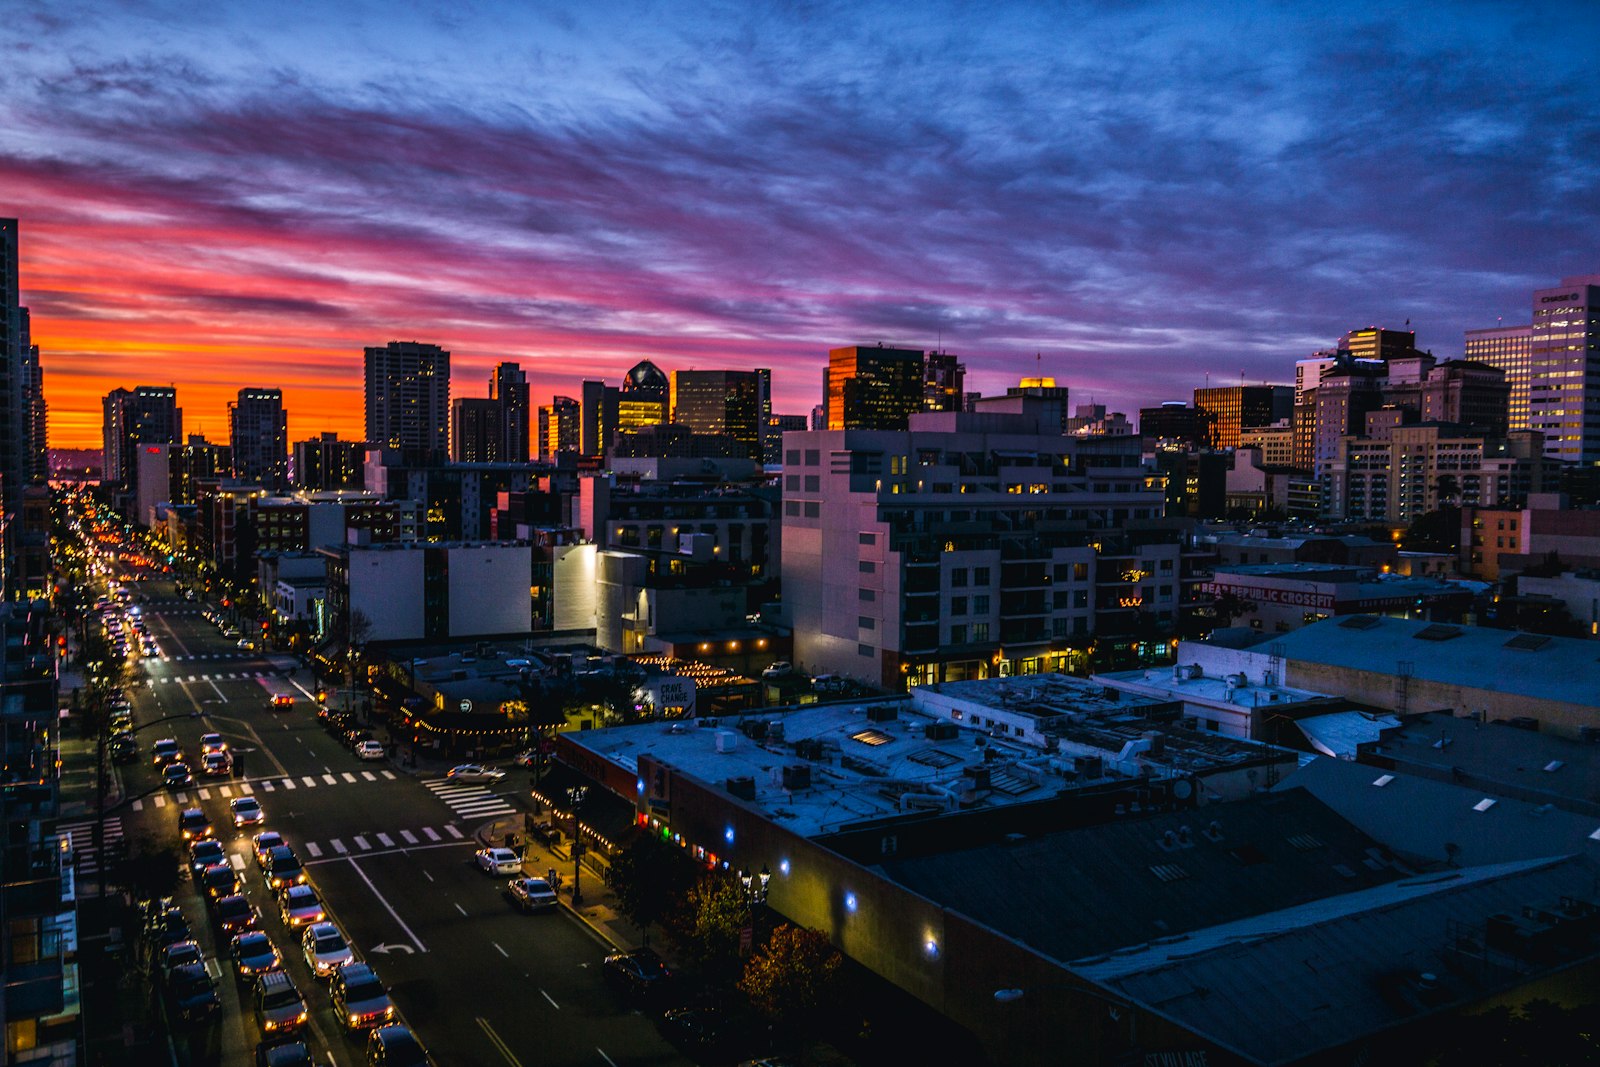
[754,887]
[575,796]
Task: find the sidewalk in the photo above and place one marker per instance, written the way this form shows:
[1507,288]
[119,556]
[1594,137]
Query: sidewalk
[599,910]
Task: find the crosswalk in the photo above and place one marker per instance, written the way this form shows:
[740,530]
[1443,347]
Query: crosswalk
[467,800]
[84,849]
[388,841]
[219,676]
[184,657]
[245,787]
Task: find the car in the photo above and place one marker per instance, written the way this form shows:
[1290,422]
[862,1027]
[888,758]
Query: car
[828,683]
[165,928]
[230,631]
[253,953]
[246,811]
[246,644]
[265,842]
[284,1052]
[638,974]
[359,999]
[715,1031]
[123,749]
[781,669]
[235,914]
[326,949]
[283,867]
[355,735]
[191,993]
[219,880]
[176,775]
[194,826]
[281,702]
[278,1004]
[166,750]
[370,750]
[212,743]
[121,721]
[395,1046]
[216,764]
[527,758]
[473,772]
[497,861]
[204,853]
[299,905]
[177,954]
[532,894]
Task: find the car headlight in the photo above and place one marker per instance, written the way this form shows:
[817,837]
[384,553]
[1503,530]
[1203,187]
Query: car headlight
[354,1018]
[389,1011]
[269,1025]
[302,1017]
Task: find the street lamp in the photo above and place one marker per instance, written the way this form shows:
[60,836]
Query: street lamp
[753,887]
[575,796]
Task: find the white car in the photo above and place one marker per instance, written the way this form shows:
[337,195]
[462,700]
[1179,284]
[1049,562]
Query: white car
[472,772]
[326,949]
[781,669]
[246,811]
[370,750]
[498,861]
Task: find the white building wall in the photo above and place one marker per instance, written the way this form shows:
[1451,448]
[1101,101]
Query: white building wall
[573,579]
[386,587]
[490,589]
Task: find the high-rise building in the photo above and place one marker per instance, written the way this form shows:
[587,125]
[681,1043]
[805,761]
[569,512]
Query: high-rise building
[1276,443]
[1564,369]
[509,389]
[1411,470]
[644,399]
[35,410]
[1507,349]
[408,398]
[258,433]
[145,415]
[777,426]
[1228,408]
[325,462]
[475,435]
[764,415]
[943,380]
[1173,424]
[15,464]
[1467,393]
[1040,397]
[720,402]
[1375,342]
[560,428]
[872,388]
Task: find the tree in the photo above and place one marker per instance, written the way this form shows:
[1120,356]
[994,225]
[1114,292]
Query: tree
[150,870]
[650,878]
[794,978]
[1435,531]
[713,912]
[1537,1033]
[1447,489]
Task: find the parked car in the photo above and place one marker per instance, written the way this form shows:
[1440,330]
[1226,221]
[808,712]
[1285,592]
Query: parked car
[370,750]
[179,953]
[278,1004]
[193,825]
[284,1052]
[246,812]
[299,905]
[639,974]
[123,749]
[191,994]
[473,772]
[716,1032]
[253,953]
[283,868]
[359,999]
[326,949]
[497,861]
[395,1046]
[781,669]
[532,894]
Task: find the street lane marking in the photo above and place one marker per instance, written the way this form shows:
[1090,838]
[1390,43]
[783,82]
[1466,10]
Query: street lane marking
[393,914]
[430,833]
[347,776]
[138,805]
[369,776]
[288,783]
[425,873]
[551,999]
[361,843]
[267,787]
[387,774]
[462,910]
[603,1056]
[237,861]
[161,801]
[330,779]
[408,837]
[385,840]
[313,848]
[205,794]
[219,692]
[310,782]
[246,787]
[500,950]
[225,791]
[495,1040]
[338,846]
[453,832]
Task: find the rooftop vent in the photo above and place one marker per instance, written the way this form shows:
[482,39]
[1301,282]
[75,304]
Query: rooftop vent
[1528,642]
[744,787]
[940,731]
[882,713]
[797,776]
[1437,633]
[1359,622]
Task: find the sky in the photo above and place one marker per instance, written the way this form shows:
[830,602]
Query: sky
[1130,197]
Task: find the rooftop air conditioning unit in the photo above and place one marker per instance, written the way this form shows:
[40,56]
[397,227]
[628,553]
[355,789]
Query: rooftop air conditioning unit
[743,787]
[727,741]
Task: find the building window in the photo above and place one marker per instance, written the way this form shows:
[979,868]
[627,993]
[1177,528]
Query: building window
[868,539]
[958,577]
[866,596]
[864,650]
[1080,572]
[813,457]
[791,508]
[980,605]
[1080,598]
[980,576]
[813,483]
[866,566]
[958,634]
[812,509]
[866,622]
[791,483]
[980,631]
[958,605]
[791,457]
[1061,600]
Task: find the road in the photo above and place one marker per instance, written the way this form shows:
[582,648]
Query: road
[391,855]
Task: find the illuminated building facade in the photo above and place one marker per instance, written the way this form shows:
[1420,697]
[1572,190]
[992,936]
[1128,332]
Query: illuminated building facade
[258,433]
[560,428]
[1564,369]
[724,402]
[408,398]
[872,388]
[1228,408]
[1509,349]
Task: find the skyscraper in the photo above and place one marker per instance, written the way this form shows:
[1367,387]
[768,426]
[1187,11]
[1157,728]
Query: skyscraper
[720,402]
[509,389]
[872,388]
[943,378]
[145,415]
[1227,408]
[645,399]
[475,430]
[1507,349]
[1564,369]
[325,462]
[35,410]
[408,398]
[258,433]
[560,427]
[21,383]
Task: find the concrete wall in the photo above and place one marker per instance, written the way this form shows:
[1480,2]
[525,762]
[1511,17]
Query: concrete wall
[574,577]
[489,589]
[386,587]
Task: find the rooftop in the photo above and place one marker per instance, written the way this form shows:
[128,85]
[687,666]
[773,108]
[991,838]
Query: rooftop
[1180,683]
[1471,657]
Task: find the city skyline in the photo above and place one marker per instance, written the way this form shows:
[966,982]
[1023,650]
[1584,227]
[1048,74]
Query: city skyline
[1142,197]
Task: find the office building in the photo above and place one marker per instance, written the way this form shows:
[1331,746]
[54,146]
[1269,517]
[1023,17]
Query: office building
[1172,425]
[1564,369]
[508,387]
[874,388]
[1509,350]
[1276,443]
[35,410]
[1041,398]
[644,399]
[16,462]
[1411,470]
[764,415]
[145,415]
[408,398]
[777,426]
[943,379]
[475,430]
[325,462]
[1092,420]
[1228,408]
[1467,393]
[560,427]
[720,402]
[258,433]
[413,591]
[173,474]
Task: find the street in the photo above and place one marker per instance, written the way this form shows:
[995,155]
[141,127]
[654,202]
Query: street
[390,852]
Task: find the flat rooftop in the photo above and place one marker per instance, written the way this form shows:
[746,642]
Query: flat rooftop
[1170,683]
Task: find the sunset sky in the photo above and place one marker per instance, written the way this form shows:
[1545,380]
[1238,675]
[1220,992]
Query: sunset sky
[220,195]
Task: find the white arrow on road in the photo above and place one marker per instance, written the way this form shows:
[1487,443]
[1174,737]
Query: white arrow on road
[386,949]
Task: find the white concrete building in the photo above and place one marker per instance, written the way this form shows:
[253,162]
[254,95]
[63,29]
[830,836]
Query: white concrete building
[417,591]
